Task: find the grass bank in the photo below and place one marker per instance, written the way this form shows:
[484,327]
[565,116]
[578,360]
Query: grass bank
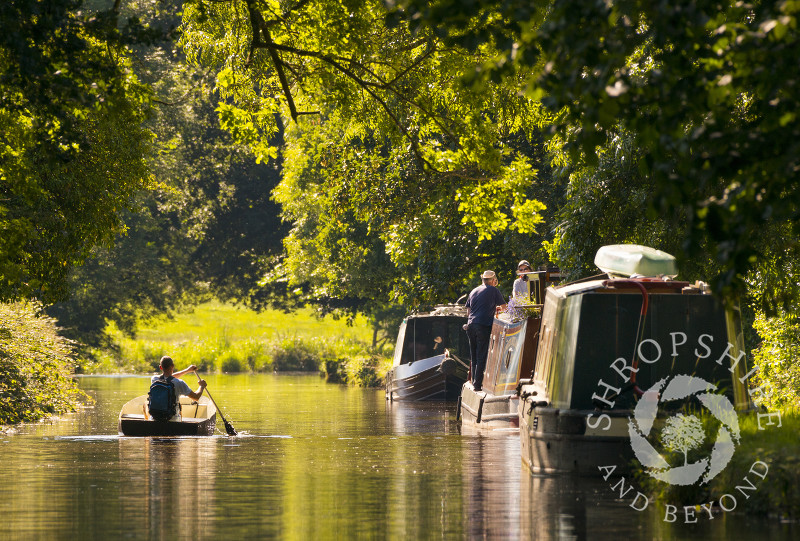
[222,338]
[777,493]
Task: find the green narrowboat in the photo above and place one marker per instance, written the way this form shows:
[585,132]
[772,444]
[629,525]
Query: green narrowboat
[619,355]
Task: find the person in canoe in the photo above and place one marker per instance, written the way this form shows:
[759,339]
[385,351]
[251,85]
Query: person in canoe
[166,389]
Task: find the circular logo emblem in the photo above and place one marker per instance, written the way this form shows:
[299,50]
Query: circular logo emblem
[683,432]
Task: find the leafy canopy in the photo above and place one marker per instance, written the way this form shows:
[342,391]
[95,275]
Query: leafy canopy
[72,144]
[708,91]
[381,85]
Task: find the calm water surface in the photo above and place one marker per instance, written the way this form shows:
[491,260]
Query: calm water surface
[315,461]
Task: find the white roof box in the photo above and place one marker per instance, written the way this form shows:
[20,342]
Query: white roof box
[634,260]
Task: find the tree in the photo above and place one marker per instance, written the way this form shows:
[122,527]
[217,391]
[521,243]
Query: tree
[206,226]
[36,365]
[371,226]
[706,90]
[382,85]
[72,142]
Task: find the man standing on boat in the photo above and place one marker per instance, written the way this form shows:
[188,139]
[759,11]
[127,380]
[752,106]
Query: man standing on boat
[482,305]
[181,388]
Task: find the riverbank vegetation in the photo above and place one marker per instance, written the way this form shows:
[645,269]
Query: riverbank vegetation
[775,489]
[218,337]
[36,365]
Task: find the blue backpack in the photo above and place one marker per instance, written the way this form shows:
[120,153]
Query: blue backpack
[161,400]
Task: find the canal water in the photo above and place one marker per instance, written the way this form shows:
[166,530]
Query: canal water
[314,461]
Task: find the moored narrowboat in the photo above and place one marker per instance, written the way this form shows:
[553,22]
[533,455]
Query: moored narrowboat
[431,357]
[619,356]
[512,354]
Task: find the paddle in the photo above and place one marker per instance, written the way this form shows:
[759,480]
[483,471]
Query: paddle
[228,427]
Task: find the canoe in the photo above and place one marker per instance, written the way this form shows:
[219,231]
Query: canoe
[197,419]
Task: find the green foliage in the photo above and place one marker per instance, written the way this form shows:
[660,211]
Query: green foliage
[371,225]
[778,494]
[35,366]
[400,181]
[73,143]
[222,338]
[606,204]
[774,282]
[706,91]
[292,355]
[366,370]
[145,272]
[777,359]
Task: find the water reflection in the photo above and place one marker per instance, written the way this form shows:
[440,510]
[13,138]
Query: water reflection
[491,476]
[318,461]
[163,491]
[422,417]
[566,507]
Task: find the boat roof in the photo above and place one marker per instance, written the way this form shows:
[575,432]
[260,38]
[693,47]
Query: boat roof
[659,285]
[573,288]
[457,310]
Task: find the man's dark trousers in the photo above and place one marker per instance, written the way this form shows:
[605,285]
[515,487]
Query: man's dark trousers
[478,350]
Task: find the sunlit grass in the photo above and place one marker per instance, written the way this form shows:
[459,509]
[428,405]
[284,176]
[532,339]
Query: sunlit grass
[237,323]
[222,338]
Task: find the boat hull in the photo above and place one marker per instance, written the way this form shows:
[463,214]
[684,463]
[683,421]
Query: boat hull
[142,427]
[434,378]
[199,419]
[483,410]
[558,441]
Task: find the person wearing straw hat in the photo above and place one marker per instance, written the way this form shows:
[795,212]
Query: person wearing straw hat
[482,305]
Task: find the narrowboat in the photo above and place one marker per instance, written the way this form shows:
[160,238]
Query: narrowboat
[619,356]
[512,354]
[431,357]
[198,418]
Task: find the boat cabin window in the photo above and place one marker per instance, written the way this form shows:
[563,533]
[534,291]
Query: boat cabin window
[426,337]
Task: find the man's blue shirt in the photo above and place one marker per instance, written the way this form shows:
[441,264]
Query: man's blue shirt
[482,302]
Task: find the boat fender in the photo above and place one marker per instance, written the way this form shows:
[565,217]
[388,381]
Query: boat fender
[537,404]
